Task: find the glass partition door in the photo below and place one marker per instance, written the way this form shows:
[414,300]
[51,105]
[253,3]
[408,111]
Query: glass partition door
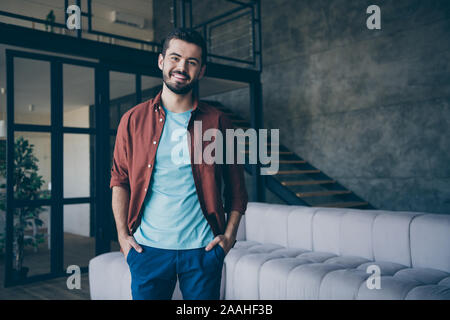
[50,167]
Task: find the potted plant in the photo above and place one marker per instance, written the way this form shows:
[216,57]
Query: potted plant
[27,186]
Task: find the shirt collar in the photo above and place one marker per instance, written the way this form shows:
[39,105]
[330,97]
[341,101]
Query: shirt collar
[197,107]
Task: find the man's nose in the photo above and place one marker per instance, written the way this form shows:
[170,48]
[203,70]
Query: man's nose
[182,65]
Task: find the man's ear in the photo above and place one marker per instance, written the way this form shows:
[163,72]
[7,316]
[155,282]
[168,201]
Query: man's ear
[160,61]
[202,72]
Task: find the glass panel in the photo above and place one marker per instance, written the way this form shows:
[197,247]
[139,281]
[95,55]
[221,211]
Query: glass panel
[150,87]
[122,95]
[115,246]
[31,247]
[79,245]
[114,115]
[79,96]
[32,165]
[31,91]
[78,156]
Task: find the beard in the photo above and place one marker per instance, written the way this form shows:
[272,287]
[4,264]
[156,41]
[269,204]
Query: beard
[179,88]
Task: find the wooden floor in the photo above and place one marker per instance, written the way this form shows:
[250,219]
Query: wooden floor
[55,289]
[78,250]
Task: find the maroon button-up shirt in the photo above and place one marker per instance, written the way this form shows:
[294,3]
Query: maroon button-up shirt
[137,140]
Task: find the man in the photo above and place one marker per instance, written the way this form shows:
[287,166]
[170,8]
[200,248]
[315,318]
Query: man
[169,214]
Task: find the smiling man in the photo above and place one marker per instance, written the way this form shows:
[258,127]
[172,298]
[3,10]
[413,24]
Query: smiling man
[170,217]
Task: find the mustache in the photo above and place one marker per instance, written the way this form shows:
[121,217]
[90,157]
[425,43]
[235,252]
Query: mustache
[182,73]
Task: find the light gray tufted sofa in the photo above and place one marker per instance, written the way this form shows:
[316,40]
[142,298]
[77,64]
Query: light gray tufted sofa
[297,252]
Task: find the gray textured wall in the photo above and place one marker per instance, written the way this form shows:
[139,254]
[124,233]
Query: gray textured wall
[370,108]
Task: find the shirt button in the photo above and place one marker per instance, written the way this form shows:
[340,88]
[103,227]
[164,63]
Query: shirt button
[149,165]
[154,142]
[160,119]
[145,189]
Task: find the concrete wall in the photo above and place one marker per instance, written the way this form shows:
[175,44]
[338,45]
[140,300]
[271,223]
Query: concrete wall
[370,108]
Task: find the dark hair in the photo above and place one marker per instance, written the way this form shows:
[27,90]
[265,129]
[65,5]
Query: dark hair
[188,35]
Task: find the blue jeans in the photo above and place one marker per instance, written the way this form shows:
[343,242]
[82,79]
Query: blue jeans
[154,273]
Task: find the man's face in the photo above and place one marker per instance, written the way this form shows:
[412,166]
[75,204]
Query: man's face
[181,66]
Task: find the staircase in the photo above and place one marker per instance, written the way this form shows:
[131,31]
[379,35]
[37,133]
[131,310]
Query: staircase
[297,182]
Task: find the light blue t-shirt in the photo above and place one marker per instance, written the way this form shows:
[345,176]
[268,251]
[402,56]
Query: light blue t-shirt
[172,217]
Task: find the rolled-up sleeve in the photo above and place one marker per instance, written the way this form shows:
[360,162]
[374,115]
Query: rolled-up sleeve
[235,192]
[120,168]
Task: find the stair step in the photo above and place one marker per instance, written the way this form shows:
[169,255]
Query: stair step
[239,123]
[342,204]
[322,193]
[306,182]
[297,171]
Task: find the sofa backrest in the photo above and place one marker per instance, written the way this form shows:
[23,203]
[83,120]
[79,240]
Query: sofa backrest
[412,239]
[430,241]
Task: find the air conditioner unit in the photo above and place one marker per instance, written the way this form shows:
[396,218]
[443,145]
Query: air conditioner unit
[127,19]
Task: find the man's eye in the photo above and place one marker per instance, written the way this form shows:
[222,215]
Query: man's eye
[192,63]
[174,58]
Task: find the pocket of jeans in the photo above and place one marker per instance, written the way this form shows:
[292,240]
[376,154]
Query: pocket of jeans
[129,254]
[220,253]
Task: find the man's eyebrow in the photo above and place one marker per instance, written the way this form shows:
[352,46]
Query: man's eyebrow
[176,54]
